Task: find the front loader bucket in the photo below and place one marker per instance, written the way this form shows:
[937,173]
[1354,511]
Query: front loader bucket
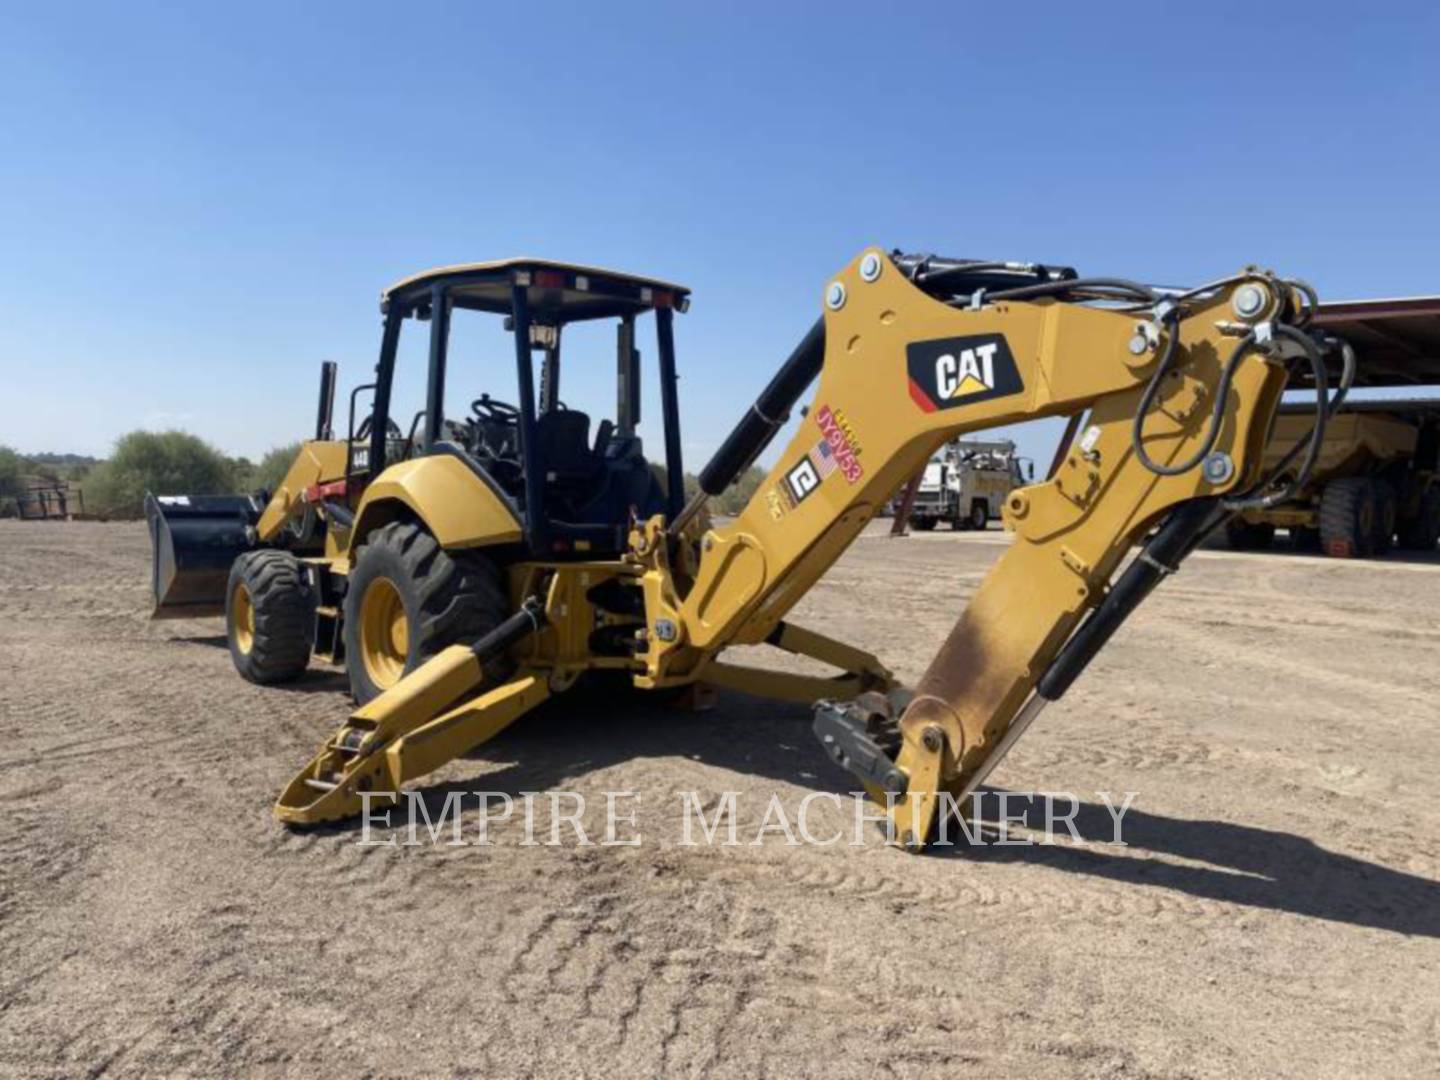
[194,539]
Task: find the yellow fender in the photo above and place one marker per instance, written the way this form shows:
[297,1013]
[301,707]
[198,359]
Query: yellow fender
[455,504]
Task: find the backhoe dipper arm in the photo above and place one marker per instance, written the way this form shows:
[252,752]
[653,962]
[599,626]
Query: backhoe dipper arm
[908,366]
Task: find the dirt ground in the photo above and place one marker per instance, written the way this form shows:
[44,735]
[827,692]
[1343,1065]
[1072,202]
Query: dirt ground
[1276,912]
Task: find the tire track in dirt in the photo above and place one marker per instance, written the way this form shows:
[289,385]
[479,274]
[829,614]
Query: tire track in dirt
[154,918]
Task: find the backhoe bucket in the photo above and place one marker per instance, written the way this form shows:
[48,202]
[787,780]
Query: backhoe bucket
[194,539]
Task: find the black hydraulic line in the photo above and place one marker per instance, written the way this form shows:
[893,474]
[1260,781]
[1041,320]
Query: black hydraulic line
[1325,408]
[1056,288]
[935,273]
[770,411]
[1217,412]
[758,426]
[340,514]
[1183,529]
[528,620]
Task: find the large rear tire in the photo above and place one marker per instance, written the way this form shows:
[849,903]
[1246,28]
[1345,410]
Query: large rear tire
[1348,508]
[980,515]
[269,616]
[407,599]
[1422,532]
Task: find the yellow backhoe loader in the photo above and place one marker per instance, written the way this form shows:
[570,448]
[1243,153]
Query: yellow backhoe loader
[467,569]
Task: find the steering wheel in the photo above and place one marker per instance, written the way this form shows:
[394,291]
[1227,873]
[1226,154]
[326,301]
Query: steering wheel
[487,408]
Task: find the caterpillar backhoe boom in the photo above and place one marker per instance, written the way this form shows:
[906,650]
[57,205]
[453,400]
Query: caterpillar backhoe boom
[1179,390]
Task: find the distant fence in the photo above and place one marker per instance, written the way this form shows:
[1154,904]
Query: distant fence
[49,500]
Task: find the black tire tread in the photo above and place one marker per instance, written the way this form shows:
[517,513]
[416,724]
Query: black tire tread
[1340,504]
[284,606]
[461,595]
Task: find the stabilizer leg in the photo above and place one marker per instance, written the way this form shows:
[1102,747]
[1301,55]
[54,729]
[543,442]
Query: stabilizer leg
[414,727]
[357,760]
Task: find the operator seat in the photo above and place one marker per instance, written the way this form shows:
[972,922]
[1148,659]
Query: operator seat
[564,437]
[594,486]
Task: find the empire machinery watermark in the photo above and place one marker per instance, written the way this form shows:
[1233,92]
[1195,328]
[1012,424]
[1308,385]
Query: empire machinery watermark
[730,819]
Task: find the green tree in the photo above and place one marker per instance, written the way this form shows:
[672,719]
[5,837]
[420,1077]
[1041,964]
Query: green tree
[11,466]
[273,467]
[730,501]
[164,462]
[735,498]
[692,482]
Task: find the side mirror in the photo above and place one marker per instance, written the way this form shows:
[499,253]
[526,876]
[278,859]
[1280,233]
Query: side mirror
[1030,471]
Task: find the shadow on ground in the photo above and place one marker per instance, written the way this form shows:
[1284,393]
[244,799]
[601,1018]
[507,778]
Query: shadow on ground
[1254,867]
[1261,868]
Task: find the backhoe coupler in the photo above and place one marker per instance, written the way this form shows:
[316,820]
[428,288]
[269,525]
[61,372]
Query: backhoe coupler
[910,778]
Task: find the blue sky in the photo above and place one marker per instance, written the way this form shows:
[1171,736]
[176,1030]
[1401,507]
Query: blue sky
[201,202]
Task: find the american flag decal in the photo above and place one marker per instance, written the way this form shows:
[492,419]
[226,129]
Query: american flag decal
[823,458]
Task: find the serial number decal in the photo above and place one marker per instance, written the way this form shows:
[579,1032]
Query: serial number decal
[839,448]
[837,451]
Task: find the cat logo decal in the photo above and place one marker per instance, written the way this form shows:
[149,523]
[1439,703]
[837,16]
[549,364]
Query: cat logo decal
[951,372]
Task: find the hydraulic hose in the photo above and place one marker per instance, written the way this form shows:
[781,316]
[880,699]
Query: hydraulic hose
[1325,407]
[1175,539]
[1053,288]
[1217,412]
[759,425]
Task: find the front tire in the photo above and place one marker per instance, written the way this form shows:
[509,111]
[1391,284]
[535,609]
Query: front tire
[407,599]
[269,616]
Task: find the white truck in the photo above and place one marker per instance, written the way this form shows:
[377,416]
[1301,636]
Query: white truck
[966,484]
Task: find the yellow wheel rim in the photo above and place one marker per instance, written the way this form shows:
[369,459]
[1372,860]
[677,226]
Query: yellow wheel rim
[242,615]
[384,633]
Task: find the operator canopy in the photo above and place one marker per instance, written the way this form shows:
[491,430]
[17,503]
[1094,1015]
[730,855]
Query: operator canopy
[557,292]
